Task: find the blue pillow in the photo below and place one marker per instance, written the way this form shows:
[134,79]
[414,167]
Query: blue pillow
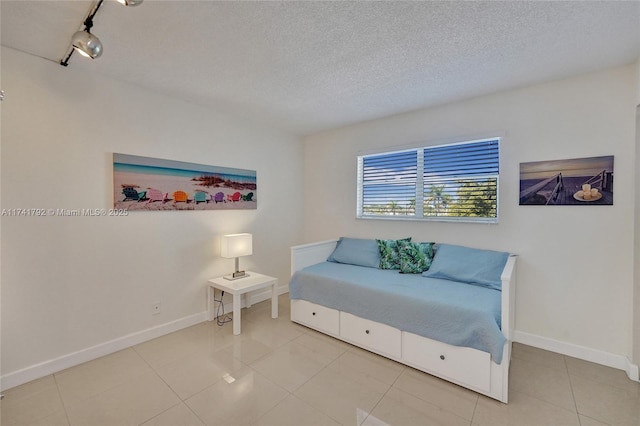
[356,251]
[468,265]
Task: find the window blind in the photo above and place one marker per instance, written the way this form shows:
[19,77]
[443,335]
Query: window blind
[446,182]
[461,180]
[389,183]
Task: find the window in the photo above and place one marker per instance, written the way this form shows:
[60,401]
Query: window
[446,182]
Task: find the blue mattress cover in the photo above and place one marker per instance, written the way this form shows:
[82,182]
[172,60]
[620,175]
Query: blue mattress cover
[447,311]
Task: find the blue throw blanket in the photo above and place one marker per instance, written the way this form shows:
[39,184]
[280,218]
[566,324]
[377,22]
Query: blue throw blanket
[447,311]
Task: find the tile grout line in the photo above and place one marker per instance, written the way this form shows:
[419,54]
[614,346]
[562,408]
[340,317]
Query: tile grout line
[384,394]
[596,381]
[160,413]
[182,401]
[475,407]
[573,395]
[308,332]
[274,384]
[64,407]
[477,395]
[566,370]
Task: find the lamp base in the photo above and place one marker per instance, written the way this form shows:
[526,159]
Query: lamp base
[236,275]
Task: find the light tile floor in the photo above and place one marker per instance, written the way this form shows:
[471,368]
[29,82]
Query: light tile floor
[279,373]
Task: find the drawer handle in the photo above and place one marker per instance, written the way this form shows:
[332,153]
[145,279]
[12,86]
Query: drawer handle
[366,331]
[313,313]
[442,357]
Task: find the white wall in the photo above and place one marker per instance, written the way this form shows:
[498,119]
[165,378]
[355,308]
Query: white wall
[575,277]
[636,298]
[637,66]
[69,283]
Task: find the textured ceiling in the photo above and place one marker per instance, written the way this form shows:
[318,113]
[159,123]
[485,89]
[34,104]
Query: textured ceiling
[309,66]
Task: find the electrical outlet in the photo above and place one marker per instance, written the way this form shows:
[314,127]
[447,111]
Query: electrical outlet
[156,308]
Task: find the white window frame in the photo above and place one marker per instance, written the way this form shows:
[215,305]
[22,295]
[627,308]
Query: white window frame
[419,204]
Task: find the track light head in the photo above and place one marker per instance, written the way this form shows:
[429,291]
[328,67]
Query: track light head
[130,2]
[87,44]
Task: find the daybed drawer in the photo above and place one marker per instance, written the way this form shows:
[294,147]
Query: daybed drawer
[465,365]
[316,316]
[378,337]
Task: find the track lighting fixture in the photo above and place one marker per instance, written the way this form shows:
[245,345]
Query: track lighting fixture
[87,44]
[130,2]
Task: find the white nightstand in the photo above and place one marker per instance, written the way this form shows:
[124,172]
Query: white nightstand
[239,287]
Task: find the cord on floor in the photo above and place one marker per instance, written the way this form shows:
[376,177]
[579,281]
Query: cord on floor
[221,317]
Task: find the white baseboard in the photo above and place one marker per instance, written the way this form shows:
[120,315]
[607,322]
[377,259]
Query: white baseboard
[45,368]
[619,362]
[264,294]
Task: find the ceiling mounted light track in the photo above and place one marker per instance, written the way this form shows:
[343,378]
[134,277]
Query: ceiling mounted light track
[87,44]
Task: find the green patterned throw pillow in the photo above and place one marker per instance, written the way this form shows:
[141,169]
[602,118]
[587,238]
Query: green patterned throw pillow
[389,254]
[415,258]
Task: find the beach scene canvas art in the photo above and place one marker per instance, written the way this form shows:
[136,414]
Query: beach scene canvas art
[580,181]
[143,183]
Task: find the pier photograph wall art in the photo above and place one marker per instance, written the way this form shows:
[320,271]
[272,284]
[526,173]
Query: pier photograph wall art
[579,181]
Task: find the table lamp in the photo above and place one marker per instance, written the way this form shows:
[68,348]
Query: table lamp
[234,246]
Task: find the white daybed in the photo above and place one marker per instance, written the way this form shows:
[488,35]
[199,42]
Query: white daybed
[468,367]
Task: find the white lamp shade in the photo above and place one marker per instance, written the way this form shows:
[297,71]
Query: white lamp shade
[236,245]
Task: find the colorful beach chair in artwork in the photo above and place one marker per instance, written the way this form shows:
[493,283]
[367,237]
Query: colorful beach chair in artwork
[218,198]
[200,197]
[180,197]
[248,197]
[235,197]
[131,193]
[156,195]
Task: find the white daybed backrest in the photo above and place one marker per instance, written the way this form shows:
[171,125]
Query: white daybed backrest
[309,254]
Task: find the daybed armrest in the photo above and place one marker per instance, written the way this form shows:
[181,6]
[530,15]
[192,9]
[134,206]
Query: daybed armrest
[309,254]
[508,278]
